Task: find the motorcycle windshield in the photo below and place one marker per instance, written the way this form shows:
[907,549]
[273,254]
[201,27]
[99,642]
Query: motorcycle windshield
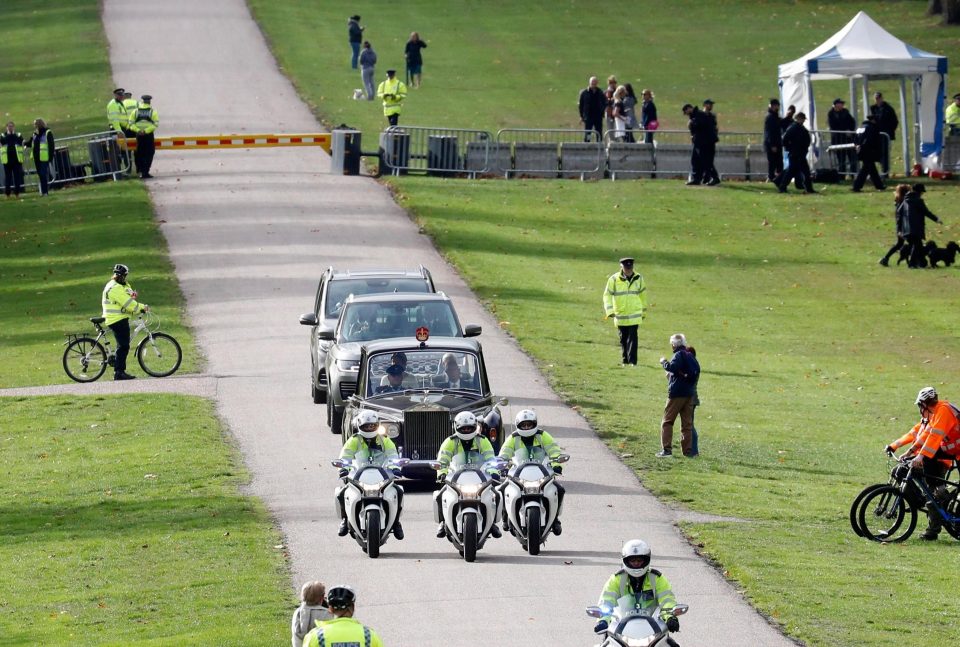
[637,629]
[530,472]
[523,455]
[371,475]
[468,477]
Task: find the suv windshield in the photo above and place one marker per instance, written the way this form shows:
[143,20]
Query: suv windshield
[369,321]
[423,369]
[339,289]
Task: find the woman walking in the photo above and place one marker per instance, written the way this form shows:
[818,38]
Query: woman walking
[898,197]
[42,144]
[414,59]
[11,155]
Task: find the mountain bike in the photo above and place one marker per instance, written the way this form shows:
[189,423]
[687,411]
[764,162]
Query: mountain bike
[86,358]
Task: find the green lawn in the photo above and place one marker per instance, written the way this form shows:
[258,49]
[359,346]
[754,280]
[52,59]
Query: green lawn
[812,354]
[122,522]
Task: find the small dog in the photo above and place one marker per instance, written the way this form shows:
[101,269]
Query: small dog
[946,255]
[358,94]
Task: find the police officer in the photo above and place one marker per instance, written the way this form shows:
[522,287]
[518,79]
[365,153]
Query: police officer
[842,126]
[697,137]
[529,442]
[143,122]
[467,442]
[119,302]
[796,141]
[708,150]
[392,91]
[952,116]
[773,140]
[887,123]
[11,156]
[343,629]
[369,446]
[117,112]
[869,145]
[42,144]
[625,299]
[646,587]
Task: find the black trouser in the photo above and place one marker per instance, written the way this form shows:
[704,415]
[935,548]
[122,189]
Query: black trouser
[628,343]
[146,147]
[896,247]
[916,258]
[121,332]
[708,153]
[933,472]
[13,177]
[799,171]
[594,124]
[393,119]
[867,167]
[696,164]
[846,157]
[774,163]
[43,175]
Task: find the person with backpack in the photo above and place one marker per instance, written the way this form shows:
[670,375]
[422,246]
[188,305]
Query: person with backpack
[683,373]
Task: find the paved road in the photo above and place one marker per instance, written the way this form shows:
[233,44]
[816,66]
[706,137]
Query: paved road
[249,233]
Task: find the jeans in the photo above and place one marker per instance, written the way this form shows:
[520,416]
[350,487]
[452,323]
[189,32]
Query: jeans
[367,75]
[356,54]
[43,174]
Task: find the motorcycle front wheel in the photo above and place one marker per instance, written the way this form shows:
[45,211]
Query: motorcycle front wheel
[373,533]
[470,535]
[533,531]
[886,515]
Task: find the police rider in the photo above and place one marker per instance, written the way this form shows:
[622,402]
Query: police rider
[343,629]
[367,446]
[119,302]
[529,442]
[466,442]
[645,587]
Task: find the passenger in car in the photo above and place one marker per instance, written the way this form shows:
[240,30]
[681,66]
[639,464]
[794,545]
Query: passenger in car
[409,380]
[451,376]
[394,377]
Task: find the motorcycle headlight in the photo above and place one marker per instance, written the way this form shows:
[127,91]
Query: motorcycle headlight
[371,488]
[349,365]
[640,642]
[531,487]
[391,429]
[469,491]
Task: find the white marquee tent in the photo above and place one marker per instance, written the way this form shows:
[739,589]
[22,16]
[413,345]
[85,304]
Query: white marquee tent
[864,50]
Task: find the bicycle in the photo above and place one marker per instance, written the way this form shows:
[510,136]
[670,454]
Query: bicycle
[86,358]
[896,475]
[895,506]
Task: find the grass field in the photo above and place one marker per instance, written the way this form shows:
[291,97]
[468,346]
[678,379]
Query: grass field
[812,354]
[121,522]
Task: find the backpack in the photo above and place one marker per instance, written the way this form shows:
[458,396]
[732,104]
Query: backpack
[692,373]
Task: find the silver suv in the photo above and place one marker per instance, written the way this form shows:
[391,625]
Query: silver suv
[334,288]
[374,317]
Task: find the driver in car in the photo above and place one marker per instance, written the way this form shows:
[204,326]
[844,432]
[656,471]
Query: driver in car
[395,375]
[646,587]
[409,380]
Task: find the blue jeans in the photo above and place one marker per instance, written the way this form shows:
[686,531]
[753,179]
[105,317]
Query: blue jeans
[356,54]
[43,174]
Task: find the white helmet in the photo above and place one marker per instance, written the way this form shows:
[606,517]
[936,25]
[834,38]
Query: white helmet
[465,425]
[526,423]
[367,424]
[636,557]
[927,394]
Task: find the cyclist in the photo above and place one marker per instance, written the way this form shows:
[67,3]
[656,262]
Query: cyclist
[119,302]
[465,441]
[343,629]
[529,442]
[645,586]
[367,445]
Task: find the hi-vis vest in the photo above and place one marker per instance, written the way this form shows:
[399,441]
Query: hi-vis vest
[397,91]
[117,115]
[118,302]
[342,632]
[654,591]
[11,138]
[144,119]
[42,142]
[625,299]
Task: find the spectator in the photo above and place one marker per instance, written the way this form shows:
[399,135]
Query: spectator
[887,122]
[368,59]
[709,149]
[143,122]
[952,117]
[773,141]
[913,220]
[695,448]
[899,195]
[698,135]
[869,146]
[355,35]
[796,141]
[311,612]
[593,105]
[648,116]
[392,91]
[683,374]
[620,117]
[414,57]
[42,143]
[608,93]
[630,110]
[842,126]
[625,299]
[11,155]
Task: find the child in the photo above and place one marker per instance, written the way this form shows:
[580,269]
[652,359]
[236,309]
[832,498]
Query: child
[310,613]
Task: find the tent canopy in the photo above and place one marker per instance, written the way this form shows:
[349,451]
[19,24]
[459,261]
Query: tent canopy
[863,50]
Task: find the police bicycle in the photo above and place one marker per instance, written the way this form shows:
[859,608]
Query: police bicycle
[888,513]
[86,358]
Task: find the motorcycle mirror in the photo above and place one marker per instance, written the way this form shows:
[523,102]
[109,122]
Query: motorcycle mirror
[594,612]
[339,462]
[435,465]
[402,461]
[562,458]
[680,609]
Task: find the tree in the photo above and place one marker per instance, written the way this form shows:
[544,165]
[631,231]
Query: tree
[951,12]
[934,7]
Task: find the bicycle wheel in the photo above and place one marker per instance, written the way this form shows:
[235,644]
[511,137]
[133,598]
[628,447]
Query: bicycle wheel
[159,355]
[855,507]
[887,516]
[85,359]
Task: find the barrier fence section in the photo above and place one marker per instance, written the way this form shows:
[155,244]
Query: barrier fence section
[549,153]
[436,151]
[96,156]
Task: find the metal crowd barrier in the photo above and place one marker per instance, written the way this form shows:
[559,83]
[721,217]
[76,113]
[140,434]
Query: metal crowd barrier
[437,151]
[550,153]
[96,156]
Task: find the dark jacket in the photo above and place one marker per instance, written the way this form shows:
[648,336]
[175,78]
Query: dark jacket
[869,142]
[648,113]
[841,120]
[411,52]
[886,118]
[355,31]
[593,104]
[683,373]
[710,127]
[13,141]
[913,212]
[368,57]
[772,134]
[37,140]
[796,140]
[701,130]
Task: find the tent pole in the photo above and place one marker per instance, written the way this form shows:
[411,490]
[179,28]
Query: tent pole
[865,93]
[853,99]
[906,127]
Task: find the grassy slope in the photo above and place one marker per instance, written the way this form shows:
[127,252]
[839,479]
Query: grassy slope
[56,253]
[121,533]
[811,353]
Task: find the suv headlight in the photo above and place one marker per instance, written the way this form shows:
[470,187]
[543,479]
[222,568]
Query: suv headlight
[351,365]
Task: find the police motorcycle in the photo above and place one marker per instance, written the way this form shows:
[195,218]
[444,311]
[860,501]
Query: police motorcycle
[371,500]
[467,504]
[633,627]
[531,500]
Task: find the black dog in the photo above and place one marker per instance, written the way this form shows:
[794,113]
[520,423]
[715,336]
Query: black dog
[946,255]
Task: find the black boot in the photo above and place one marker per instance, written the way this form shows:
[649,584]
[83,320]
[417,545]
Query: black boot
[441,531]
[342,530]
[495,531]
[398,531]
[556,527]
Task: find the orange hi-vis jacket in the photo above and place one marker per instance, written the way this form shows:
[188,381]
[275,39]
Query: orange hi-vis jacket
[917,437]
[944,431]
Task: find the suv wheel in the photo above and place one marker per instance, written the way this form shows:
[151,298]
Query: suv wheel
[319,397]
[334,419]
